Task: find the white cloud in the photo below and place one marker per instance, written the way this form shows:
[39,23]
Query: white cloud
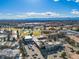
[73,0]
[67,0]
[46,14]
[75,12]
[29,15]
[77,1]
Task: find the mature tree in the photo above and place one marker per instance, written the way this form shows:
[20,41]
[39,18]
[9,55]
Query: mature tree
[63,55]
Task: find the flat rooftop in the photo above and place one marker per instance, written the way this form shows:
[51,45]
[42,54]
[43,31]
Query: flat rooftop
[9,52]
[28,37]
[74,56]
[75,38]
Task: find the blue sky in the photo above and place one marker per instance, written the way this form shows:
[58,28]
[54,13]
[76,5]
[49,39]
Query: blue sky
[38,8]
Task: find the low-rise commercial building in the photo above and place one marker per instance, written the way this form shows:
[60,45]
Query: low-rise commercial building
[4,36]
[9,54]
[27,39]
[74,56]
[73,40]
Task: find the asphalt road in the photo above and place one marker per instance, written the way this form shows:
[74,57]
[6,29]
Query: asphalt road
[31,52]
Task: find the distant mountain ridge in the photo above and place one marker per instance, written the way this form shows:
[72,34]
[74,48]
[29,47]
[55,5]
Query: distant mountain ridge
[40,19]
